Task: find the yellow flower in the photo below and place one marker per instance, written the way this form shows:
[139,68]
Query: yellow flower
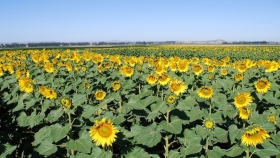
[254,135]
[242,100]
[238,77]
[49,67]
[25,84]
[103,133]
[160,69]
[262,86]
[211,68]
[244,113]
[126,71]
[48,92]
[183,65]
[205,92]
[163,79]
[197,69]
[177,86]
[65,102]
[241,67]
[272,118]
[171,99]
[208,124]
[100,95]
[224,72]
[68,66]
[116,85]
[151,79]
[86,85]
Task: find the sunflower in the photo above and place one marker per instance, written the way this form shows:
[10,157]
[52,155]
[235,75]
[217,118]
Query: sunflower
[86,85]
[242,100]
[254,135]
[205,92]
[65,102]
[262,85]
[116,85]
[224,72]
[151,79]
[241,67]
[208,123]
[244,113]
[238,77]
[171,99]
[160,69]
[49,67]
[173,66]
[272,118]
[103,133]
[126,71]
[183,66]
[197,69]
[211,68]
[163,79]
[177,86]
[25,84]
[100,95]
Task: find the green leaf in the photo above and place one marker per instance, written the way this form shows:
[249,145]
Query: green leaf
[186,104]
[83,144]
[174,127]
[235,151]
[267,151]
[99,153]
[8,150]
[196,114]
[135,130]
[54,115]
[89,110]
[20,105]
[191,149]
[41,135]
[150,135]
[59,132]
[234,133]
[221,135]
[174,154]
[78,99]
[216,152]
[46,147]
[137,152]
[189,138]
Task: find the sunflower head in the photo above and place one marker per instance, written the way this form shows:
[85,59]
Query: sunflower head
[242,100]
[103,133]
[205,92]
[163,79]
[116,85]
[272,118]
[160,69]
[241,67]
[151,79]
[197,69]
[211,68]
[177,87]
[208,123]
[244,112]
[262,86]
[171,99]
[65,102]
[100,95]
[254,135]
[224,72]
[238,77]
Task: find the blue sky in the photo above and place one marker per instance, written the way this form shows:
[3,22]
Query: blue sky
[134,20]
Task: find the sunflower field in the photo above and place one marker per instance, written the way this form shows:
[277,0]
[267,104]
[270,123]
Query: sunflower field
[151,102]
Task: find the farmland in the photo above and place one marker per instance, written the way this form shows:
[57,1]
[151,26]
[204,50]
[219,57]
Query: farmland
[155,101]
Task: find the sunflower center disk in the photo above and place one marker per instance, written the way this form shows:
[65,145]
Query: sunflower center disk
[261,85]
[241,100]
[105,130]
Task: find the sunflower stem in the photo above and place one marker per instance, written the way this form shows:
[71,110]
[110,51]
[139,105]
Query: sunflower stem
[70,122]
[247,152]
[166,137]
[162,92]
[139,89]
[206,146]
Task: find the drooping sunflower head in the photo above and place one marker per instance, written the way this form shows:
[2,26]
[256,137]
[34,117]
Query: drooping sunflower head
[208,123]
[65,102]
[272,118]
[116,85]
[103,133]
[177,87]
[100,95]
[244,113]
[151,79]
[205,92]
[242,100]
[163,79]
[171,99]
[238,77]
[197,69]
[254,135]
[262,86]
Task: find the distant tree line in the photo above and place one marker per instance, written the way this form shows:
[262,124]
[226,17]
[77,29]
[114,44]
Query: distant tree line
[246,42]
[44,44]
